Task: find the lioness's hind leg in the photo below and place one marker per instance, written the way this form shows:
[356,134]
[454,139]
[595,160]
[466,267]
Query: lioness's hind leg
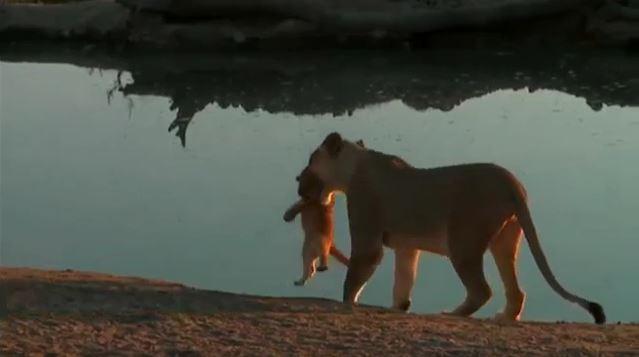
[504,249]
[467,248]
[471,273]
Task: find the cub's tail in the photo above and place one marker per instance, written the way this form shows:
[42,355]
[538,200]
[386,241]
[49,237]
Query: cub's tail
[338,255]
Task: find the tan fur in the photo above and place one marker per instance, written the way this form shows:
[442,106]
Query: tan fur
[456,211]
[318,226]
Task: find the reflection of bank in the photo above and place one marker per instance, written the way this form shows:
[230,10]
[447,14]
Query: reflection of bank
[340,82]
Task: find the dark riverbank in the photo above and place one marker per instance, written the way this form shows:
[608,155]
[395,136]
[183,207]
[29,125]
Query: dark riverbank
[220,24]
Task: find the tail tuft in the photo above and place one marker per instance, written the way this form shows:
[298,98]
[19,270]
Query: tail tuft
[597,312]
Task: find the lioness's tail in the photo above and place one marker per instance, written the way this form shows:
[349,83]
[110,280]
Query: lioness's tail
[338,255]
[523,216]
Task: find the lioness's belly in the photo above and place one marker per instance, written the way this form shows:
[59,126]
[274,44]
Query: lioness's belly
[434,242]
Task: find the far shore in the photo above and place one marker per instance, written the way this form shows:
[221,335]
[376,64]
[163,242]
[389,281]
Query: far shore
[292,24]
[84,313]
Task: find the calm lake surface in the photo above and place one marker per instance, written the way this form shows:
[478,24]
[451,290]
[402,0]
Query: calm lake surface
[91,179]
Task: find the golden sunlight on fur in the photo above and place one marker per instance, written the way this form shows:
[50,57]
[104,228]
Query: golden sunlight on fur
[457,211]
[317,223]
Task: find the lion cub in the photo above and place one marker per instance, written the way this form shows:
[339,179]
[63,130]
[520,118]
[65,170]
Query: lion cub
[317,222]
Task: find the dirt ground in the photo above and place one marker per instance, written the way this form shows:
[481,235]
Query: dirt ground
[82,313]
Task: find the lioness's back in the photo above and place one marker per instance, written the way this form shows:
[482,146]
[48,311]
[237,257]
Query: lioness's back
[449,183]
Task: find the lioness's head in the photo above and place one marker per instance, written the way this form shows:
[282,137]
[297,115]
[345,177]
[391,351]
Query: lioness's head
[334,161]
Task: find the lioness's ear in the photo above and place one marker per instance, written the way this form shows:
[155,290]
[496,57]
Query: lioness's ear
[360,142]
[333,144]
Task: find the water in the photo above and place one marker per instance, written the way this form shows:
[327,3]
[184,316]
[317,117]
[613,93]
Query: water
[92,180]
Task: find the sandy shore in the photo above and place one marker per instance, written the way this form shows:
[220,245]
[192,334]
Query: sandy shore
[70,312]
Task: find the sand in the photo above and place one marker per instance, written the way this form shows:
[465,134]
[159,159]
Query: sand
[83,313]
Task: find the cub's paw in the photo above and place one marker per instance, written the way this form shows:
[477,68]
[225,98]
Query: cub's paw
[289,216]
[322,268]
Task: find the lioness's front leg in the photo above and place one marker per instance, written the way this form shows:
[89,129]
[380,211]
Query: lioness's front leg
[360,269]
[366,254]
[406,260]
[367,246]
[467,244]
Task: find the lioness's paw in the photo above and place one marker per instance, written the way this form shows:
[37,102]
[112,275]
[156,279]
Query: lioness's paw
[299,282]
[403,306]
[322,268]
[505,318]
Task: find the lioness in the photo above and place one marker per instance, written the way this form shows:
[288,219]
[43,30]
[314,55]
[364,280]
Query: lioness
[456,211]
[317,223]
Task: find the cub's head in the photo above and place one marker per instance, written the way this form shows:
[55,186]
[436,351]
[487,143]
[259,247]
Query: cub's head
[310,186]
[334,161]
